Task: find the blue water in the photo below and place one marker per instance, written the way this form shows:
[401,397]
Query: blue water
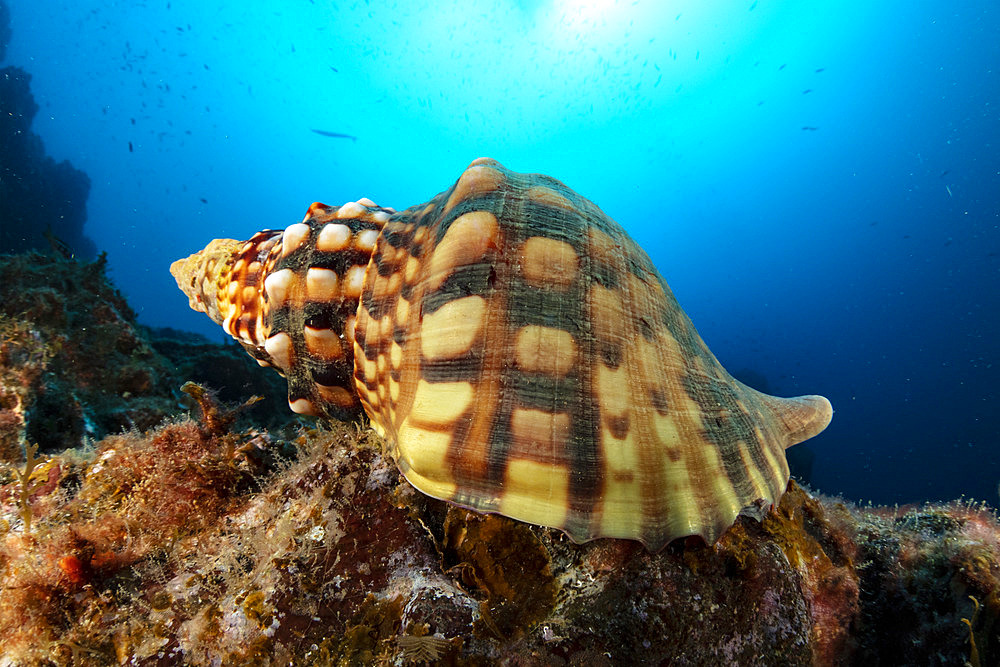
[819,182]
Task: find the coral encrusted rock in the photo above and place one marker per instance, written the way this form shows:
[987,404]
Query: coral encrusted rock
[75,366]
[187,546]
[141,536]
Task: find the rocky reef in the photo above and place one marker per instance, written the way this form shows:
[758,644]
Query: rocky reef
[140,531]
[4,29]
[44,201]
[183,546]
[75,366]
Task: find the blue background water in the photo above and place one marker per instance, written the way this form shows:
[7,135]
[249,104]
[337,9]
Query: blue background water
[818,181]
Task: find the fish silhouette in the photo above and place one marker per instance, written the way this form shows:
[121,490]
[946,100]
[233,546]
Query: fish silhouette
[336,135]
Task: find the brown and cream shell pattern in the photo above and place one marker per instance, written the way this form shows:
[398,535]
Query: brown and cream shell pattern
[518,352]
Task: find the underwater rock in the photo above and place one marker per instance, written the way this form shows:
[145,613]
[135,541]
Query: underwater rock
[44,201]
[228,371]
[4,29]
[74,365]
[181,547]
[919,566]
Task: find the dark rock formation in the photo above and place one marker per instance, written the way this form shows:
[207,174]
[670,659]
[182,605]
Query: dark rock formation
[229,371]
[74,365]
[44,201]
[4,29]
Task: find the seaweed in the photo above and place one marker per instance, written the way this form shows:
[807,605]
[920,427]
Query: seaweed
[973,652]
[27,487]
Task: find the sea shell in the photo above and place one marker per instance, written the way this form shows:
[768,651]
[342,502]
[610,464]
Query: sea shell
[518,352]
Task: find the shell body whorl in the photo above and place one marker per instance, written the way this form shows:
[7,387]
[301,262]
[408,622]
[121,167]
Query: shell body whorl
[520,354]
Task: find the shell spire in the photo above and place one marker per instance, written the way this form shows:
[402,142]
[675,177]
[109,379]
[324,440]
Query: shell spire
[519,353]
[290,297]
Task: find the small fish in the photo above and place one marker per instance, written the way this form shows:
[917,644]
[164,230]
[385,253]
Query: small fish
[949,191]
[810,128]
[333,69]
[807,91]
[753,6]
[336,135]
[203,200]
[820,70]
[781,68]
[130,150]
[59,246]
[945,173]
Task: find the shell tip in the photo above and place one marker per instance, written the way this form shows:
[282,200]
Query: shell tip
[192,273]
[803,416]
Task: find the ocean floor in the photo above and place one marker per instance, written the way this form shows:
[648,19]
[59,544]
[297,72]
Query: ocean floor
[152,512]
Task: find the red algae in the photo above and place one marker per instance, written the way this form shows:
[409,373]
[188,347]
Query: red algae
[818,542]
[172,547]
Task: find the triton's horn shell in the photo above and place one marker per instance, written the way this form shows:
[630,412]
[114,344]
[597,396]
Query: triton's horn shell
[519,353]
